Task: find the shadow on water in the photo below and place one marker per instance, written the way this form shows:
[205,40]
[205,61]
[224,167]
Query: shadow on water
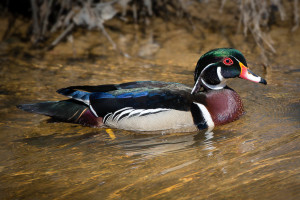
[57,139]
[131,143]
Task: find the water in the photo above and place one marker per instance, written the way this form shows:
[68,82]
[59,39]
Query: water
[256,157]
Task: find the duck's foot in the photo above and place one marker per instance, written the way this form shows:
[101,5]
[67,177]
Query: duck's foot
[110,133]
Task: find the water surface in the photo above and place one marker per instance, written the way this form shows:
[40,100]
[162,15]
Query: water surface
[256,157]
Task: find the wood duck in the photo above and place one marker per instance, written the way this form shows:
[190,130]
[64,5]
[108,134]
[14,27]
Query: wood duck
[156,105]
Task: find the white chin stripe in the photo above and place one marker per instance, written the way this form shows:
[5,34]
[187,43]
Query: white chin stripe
[221,78]
[214,87]
[207,117]
[222,83]
[219,86]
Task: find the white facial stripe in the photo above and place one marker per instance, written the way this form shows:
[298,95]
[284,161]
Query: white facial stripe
[213,87]
[195,86]
[199,78]
[206,68]
[221,78]
[237,59]
[210,123]
[221,85]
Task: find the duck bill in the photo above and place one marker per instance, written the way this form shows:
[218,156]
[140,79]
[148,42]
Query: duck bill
[249,75]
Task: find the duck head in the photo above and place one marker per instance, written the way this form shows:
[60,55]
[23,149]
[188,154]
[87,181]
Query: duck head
[218,65]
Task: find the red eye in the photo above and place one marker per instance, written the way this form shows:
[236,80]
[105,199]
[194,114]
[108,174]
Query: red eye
[227,61]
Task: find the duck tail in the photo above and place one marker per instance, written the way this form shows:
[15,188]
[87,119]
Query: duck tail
[67,110]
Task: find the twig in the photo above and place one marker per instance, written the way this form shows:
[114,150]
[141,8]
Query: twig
[11,23]
[45,24]
[61,36]
[296,15]
[107,36]
[114,45]
[36,28]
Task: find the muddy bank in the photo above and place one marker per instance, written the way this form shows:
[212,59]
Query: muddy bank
[263,28]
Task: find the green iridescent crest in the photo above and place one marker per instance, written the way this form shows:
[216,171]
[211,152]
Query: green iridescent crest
[225,52]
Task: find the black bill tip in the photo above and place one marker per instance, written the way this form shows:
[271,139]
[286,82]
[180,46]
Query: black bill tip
[263,81]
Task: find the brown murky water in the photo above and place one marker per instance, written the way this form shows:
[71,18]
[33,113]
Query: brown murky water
[256,157]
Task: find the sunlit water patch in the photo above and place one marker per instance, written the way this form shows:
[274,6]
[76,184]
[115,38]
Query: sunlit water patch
[256,156]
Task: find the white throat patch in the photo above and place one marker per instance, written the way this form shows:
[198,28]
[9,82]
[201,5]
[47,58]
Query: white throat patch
[220,86]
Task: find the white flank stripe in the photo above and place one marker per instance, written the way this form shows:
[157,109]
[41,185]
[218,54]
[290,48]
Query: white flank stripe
[106,116]
[126,113]
[118,111]
[135,112]
[210,123]
[93,111]
[123,113]
[149,111]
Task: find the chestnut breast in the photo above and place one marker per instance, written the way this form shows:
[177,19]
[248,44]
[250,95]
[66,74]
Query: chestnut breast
[224,105]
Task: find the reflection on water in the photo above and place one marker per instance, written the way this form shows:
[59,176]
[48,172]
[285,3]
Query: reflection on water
[256,157]
[209,144]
